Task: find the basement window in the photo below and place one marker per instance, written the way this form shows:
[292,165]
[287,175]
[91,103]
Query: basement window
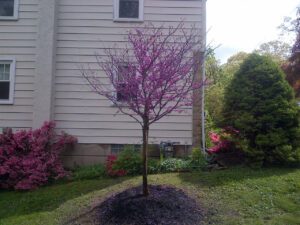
[7,80]
[117,148]
[9,9]
[128,10]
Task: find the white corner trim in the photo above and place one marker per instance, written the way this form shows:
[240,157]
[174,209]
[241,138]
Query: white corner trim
[16,12]
[118,19]
[45,63]
[12,75]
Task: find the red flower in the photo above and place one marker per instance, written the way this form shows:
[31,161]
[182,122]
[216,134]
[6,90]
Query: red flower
[110,162]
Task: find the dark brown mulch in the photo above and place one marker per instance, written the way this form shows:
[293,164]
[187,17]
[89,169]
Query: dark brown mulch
[164,206]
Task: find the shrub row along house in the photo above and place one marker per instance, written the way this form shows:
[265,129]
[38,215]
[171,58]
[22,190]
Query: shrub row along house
[42,45]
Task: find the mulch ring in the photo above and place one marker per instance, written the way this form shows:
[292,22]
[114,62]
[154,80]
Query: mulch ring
[164,206]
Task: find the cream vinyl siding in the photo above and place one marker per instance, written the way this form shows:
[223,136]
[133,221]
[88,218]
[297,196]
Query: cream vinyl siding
[18,40]
[86,27]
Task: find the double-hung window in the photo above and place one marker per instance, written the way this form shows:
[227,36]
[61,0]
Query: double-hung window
[121,97]
[129,10]
[123,92]
[9,9]
[7,80]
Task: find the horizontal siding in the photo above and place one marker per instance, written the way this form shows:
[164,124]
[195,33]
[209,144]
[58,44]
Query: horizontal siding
[114,118]
[127,125]
[18,39]
[86,28]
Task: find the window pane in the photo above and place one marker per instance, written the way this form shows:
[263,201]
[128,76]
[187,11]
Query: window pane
[129,9]
[4,71]
[116,149]
[121,97]
[1,71]
[4,90]
[6,7]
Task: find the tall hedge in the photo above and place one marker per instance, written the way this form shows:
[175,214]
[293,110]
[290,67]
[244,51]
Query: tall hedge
[261,105]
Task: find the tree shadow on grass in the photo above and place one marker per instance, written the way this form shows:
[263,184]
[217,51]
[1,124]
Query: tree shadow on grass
[14,203]
[235,174]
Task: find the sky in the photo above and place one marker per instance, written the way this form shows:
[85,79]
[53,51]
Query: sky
[242,25]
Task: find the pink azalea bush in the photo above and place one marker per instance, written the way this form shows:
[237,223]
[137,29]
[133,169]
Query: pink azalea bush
[226,146]
[220,145]
[29,159]
[223,142]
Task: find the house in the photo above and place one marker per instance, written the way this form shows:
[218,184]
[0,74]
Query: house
[42,44]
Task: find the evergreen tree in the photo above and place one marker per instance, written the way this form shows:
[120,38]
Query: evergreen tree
[261,105]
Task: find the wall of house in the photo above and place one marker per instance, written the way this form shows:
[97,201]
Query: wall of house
[50,41]
[85,28]
[18,40]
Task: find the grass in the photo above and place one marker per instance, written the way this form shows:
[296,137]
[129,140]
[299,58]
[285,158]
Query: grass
[234,196]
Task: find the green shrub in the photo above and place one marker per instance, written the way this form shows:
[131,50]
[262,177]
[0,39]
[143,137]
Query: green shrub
[198,159]
[153,166]
[88,172]
[260,104]
[173,165]
[129,160]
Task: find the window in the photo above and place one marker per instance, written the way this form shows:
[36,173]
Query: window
[129,10]
[123,73]
[121,97]
[117,148]
[7,77]
[9,9]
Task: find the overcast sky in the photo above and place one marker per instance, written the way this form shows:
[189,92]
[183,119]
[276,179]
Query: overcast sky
[242,25]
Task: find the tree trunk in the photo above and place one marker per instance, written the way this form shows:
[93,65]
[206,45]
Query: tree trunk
[145,151]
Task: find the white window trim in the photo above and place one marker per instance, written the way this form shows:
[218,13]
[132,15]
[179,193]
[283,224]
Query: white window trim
[118,19]
[12,75]
[16,12]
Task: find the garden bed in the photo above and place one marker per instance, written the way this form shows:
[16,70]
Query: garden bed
[165,206]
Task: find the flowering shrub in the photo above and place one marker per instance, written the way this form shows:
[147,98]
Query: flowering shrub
[227,149]
[219,145]
[223,142]
[110,170]
[29,159]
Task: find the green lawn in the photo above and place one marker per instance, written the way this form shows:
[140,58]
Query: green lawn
[234,196]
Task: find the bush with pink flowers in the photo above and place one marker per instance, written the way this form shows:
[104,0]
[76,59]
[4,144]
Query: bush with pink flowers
[30,158]
[226,145]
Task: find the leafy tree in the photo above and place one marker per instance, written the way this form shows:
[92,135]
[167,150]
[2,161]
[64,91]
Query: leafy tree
[219,76]
[213,92]
[233,63]
[291,26]
[279,51]
[292,67]
[261,105]
[212,68]
[151,78]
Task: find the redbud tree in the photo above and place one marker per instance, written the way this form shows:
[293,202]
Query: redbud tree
[153,76]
